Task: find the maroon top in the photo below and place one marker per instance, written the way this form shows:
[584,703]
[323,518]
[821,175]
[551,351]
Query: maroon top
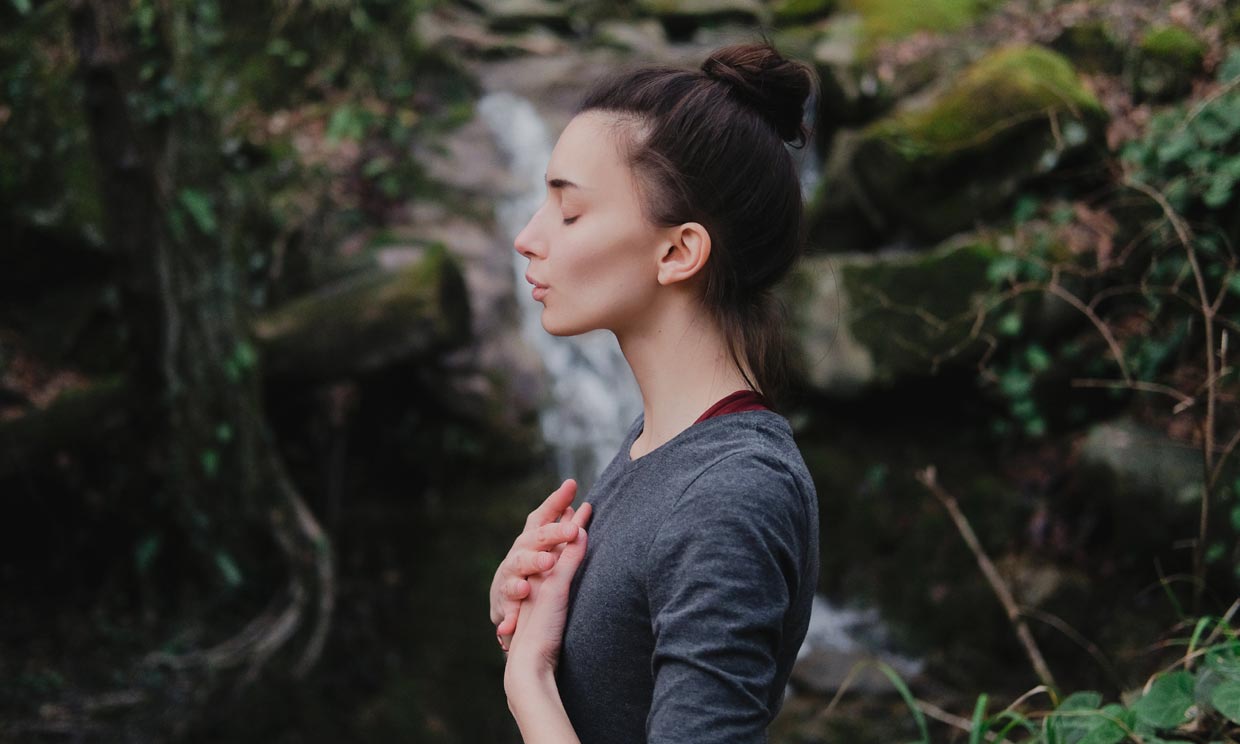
[741,400]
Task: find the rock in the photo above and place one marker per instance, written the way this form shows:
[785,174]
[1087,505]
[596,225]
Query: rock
[76,418]
[892,19]
[1091,47]
[838,640]
[864,320]
[926,173]
[1168,58]
[682,17]
[1141,460]
[519,15]
[644,37]
[792,12]
[368,321]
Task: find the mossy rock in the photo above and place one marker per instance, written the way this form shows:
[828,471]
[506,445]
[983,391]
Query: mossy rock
[892,19]
[519,15]
[1091,47]
[680,18]
[1168,59]
[792,12]
[863,320]
[368,321]
[1011,117]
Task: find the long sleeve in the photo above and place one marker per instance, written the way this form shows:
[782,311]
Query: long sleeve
[722,573]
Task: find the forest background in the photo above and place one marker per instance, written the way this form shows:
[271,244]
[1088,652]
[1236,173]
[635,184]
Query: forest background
[273,402]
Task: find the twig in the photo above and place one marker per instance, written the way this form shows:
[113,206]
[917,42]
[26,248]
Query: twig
[1103,330]
[928,478]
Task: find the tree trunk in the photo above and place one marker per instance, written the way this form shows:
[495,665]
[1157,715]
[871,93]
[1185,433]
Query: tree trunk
[179,229]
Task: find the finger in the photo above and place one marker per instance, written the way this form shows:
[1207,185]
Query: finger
[553,505]
[516,589]
[570,559]
[530,562]
[567,516]
[509,625]
[550,535]
[582,517]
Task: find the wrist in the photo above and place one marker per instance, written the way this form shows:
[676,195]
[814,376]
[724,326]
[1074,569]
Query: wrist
[528,685]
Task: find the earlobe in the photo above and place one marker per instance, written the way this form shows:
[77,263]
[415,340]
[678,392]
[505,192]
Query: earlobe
[685,255]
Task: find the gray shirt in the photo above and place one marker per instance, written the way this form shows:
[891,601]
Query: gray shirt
[686,615]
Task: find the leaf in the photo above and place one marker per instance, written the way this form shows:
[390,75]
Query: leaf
[1226,700]
[145,552]
[1168,700]
[1002,268]
[1104,728]
[1037,358]
[199,207]
[1230,68]
[909,700]
[1219,192]
[977,727]
[1233,284]
[1009,325]
[228,569]
[210,463]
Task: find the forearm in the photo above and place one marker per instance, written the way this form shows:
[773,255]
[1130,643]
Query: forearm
[535,703]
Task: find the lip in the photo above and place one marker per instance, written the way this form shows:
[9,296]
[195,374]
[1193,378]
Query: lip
[537,285]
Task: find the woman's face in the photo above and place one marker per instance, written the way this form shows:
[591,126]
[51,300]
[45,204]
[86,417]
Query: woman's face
[589,243]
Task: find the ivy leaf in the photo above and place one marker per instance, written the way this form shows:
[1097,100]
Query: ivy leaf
[1168,700]
[228,569]
[1226,700]
[1230,68]
[1104,728]
[199,207]
[1219,191]
[1009,324]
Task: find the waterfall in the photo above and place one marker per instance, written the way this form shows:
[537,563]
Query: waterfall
[594,397]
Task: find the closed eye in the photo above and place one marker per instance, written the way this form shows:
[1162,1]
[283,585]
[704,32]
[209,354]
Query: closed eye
[569,220]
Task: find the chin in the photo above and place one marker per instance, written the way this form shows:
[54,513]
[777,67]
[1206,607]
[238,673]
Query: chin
[550,325]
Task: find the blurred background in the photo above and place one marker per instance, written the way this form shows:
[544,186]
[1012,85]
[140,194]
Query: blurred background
[274,399]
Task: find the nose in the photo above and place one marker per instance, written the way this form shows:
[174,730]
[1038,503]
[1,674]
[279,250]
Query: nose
[527,242]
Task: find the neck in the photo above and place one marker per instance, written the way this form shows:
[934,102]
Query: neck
[682,366]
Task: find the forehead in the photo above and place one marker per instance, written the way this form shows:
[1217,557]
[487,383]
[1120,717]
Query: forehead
[588,153]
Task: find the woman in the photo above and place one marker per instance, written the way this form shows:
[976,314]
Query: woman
[673,208]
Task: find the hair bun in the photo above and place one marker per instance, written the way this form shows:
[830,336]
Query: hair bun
[776,87]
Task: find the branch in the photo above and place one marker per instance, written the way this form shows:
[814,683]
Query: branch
[928,478]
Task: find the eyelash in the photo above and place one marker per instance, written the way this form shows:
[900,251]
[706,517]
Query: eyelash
[569,220]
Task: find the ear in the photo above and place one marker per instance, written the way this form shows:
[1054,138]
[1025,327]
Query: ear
[685,251]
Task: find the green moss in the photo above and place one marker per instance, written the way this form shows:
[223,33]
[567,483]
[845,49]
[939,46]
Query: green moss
[1173,45]
[908,311]
[1016,83]
[800,11]
[890,19]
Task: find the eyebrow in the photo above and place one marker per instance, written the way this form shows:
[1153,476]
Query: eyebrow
[561,183]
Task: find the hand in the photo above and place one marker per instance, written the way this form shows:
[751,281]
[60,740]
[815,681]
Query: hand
[536,643]
[531,553]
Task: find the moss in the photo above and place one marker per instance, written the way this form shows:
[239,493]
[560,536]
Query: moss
[896,305]
[790,12]
[1092,47]
[1176,46]
[369,320]
[891,19]
[1017,83]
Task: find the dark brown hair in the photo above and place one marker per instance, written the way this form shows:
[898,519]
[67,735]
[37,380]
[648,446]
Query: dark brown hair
[707,146]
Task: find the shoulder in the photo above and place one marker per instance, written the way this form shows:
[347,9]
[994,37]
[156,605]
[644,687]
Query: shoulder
[753,461]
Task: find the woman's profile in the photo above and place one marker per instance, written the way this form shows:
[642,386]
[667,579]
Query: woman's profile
[671,605]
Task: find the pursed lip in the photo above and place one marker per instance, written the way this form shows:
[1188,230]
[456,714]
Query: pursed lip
[530,279]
